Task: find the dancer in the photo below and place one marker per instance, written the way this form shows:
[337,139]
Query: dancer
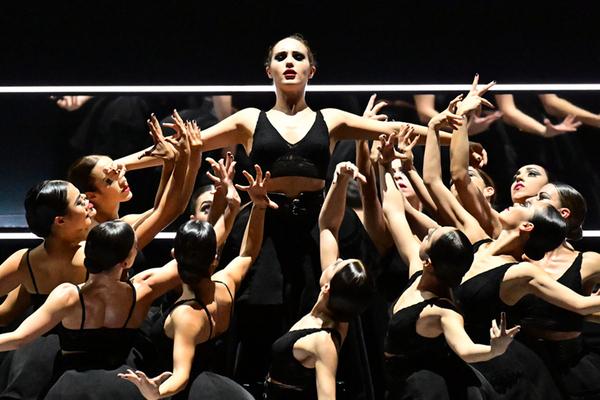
[190,330]
[304,360]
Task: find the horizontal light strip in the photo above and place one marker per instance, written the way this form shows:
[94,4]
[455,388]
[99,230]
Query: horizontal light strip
[171,235]
[543,87]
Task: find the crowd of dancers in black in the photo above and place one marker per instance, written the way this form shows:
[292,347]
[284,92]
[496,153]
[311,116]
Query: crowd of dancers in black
[261,299]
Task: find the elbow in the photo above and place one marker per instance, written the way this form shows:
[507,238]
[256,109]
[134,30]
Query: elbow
[459,175]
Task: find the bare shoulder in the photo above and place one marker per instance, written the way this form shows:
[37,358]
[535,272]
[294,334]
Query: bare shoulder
[522,270]
[592,258]
[247,117]
[15,258]
[189,321]
[65,294]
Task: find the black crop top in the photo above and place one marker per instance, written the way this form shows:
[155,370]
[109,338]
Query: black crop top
[478,299]
[209,355]
[109,345]
[309,157]
[402,338]
[539,314]
[286,369]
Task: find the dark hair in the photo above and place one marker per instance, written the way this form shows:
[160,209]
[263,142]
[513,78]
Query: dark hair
[451,256]
[80,173]
[353,199]
[488,182]
[44,202]
[549,231]
[350,290]
[200,191]
[573,200]
[195,248]
[296,36]
[108,244]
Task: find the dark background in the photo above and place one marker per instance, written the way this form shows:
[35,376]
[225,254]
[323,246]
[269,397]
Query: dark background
[225,43]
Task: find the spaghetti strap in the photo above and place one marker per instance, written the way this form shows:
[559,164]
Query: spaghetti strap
[201,304]
[230,295]
[31,273]
[335,335]
[82,306]
[133,299]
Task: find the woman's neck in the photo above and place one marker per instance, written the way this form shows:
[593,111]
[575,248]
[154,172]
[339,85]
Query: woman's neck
[106,213]
[430,283]
[58,247]
[203,291]
[106,278]
[321,312]
[508,243]
[290,103]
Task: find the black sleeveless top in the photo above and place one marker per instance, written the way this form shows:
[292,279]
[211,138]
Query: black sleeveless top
[539,314]
[402,338]
[478,299]
[286,369]
[309,157]
[209,355]
[107,346]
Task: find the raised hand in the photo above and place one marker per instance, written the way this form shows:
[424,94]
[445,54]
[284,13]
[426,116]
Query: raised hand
[161,149]
[478,157]
[256,188]
[405,147]
[447,119]
[148,387]
[348,169]
[473,101]
[372,109]
[478,124]
[500,337]
[71,103]
[114,172]
[569,124]
[224,172]
[194,136]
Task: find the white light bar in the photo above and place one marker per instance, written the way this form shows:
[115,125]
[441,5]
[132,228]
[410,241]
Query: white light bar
[171,235]
[31,236]
[518,87]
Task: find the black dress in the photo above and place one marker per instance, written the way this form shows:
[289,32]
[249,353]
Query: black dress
[518,373]
[288,378]
[574,368]
[418,367]
[209,356]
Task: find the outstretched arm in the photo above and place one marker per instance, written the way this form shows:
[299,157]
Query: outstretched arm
[472,199]
[452,325]
[449,209]
[559,107]
[393,209]
[236,270]
[515,117]
[226,201]
[235,129]
[10,275]
[332,212]
[54,309]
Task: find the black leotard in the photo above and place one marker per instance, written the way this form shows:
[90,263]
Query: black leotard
[421,367]
[209,355]
[539,314]
[287,370]
[97,347]
[309,157]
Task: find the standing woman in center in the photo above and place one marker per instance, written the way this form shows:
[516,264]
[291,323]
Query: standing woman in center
[294,143]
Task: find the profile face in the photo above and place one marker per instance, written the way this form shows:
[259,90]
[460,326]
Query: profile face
[548,195]
[289,64]
[110,187]
[429,240]
[79,210]
[527,182]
